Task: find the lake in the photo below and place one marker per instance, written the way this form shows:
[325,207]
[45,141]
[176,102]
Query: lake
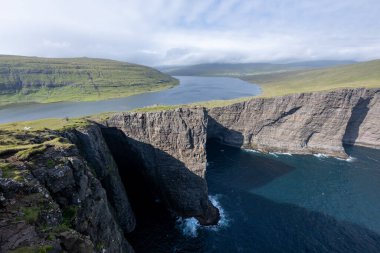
[268,202]
[191,89]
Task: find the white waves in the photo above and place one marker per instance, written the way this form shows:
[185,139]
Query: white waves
[190,226]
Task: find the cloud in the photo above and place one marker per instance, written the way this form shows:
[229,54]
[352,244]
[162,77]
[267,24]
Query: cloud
[55,44]
[158,32]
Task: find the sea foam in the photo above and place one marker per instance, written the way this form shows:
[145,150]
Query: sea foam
[349,159]
[251,150]
[190,226]
[321,155]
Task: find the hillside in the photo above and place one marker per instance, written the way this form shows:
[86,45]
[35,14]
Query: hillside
[242,69]
[365,74]
[43,80]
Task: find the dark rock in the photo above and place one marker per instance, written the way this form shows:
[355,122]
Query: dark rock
[95,150]
[171,146]
[73,242]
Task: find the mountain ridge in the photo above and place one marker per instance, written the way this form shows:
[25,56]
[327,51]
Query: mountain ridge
[43,80]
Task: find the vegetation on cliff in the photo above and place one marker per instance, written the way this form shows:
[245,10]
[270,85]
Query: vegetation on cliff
[22,200]
[48,192]
[44,80]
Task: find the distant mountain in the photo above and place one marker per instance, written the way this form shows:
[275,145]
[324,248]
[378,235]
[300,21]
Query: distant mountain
[34,79]
[242,69]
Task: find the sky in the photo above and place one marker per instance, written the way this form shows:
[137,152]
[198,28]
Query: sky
[181,32]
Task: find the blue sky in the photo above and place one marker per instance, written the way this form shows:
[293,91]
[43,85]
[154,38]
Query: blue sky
[170,32]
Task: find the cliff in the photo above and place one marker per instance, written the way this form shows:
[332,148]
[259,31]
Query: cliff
[305,123]
[52,199]
[171,148]
[85,187]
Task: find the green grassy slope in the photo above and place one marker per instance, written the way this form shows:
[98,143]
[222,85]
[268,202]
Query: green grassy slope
[32,79]
[366,74]
[241,69]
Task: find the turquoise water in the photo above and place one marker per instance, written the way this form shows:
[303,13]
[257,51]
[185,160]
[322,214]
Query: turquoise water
[282,203]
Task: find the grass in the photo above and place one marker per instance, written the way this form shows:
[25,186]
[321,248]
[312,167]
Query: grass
[31,214]
[69,214]
[9,171]
[33,249]
[242,69]
[207,104]
[45,80]
[366,74]
[25,139]
[43,124]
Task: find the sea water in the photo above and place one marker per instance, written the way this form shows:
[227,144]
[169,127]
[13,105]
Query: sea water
[283,203]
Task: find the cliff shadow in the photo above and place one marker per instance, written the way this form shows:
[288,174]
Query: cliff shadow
[237,168]
[224,148]
[159,186]
[358,114]
[218,132]
[259,224]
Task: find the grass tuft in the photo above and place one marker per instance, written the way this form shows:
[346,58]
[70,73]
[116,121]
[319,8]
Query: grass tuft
[33,249]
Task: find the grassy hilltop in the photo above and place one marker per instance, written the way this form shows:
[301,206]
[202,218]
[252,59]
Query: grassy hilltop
[243,69]
[43,80]
[365,74]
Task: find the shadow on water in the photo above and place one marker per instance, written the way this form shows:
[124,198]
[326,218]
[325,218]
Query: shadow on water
[255,223]
[262,225]
[254,171]
[259,224]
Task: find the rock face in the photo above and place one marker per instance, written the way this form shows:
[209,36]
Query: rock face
[171,146]
[57,201]
[85,180]
[82,190]
[364,125]
[301,123]
[94,149]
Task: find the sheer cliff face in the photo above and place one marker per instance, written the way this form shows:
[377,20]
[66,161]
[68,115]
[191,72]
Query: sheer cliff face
[72,207]
[95,172]
[171,147]
[301,123]
[90,172]
[364,127]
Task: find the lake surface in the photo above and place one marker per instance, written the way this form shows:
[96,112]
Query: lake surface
[282,203]
[191,89]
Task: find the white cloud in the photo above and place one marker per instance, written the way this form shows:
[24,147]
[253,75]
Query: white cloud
[159,32]
[55,44]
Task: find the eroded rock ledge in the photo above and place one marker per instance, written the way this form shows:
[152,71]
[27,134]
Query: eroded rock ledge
[86,186]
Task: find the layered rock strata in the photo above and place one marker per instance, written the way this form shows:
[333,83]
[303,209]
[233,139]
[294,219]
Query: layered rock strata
[172,148]
[301,123]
